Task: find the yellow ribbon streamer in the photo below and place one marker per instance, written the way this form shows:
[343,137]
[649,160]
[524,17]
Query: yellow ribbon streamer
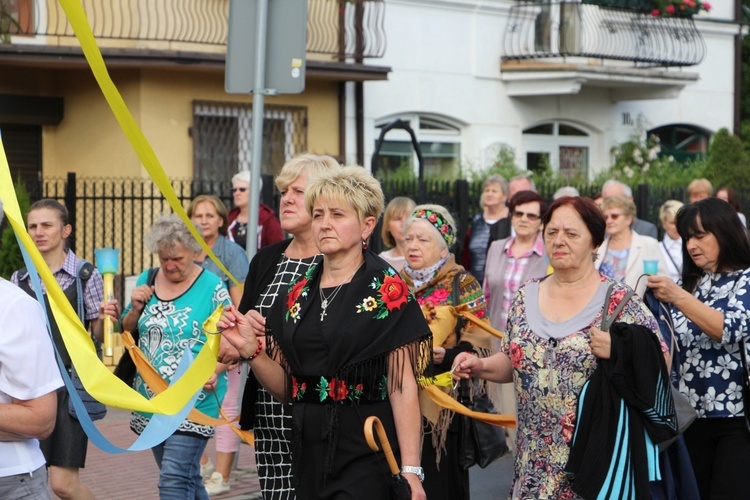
[442,380]
[444,400]
[82,29]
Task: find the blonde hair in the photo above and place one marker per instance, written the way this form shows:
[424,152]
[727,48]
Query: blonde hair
[624,204]
[669,209]
[313,165]
[221,209]
[400,205]
[351,184]
[700,186]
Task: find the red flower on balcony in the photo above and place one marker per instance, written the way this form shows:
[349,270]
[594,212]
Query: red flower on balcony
[686,8]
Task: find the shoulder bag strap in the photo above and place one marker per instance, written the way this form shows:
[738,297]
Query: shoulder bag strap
[455,294]
[666,250]
[607,320]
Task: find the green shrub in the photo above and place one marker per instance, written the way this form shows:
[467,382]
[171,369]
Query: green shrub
[727,161]
[10,254]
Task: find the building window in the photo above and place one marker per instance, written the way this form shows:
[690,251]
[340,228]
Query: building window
[439,141]
[222,138]
[559,146]
[23,149]
[683,142]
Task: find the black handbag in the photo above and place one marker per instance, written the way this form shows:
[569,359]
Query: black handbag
[125,369]
[683,409]
[94,408]
[480,443]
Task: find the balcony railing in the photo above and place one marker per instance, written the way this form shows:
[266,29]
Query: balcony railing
[567,28]
[340,28]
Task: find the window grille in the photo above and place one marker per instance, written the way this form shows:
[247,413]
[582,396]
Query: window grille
[222,138]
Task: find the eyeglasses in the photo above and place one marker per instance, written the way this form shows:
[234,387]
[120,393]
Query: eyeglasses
[612,216]
[530,216]
[241,190]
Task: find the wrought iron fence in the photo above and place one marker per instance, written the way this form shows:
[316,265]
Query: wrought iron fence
[118,212]
[342,28]
[569,28]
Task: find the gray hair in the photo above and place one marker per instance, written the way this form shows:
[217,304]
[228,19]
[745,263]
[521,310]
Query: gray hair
[626,191]
[527,177]
[496,179]
[167,232]
[565,191]
[244,176]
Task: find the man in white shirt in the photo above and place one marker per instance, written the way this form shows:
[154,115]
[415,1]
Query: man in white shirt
[29,379]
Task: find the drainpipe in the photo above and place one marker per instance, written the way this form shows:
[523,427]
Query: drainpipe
[737,67]
[359,87]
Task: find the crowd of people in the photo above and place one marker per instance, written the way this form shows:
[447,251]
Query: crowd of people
[325,333]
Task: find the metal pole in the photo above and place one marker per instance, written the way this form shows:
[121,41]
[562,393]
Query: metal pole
[257,127]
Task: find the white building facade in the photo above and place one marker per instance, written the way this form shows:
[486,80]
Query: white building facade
[559,81]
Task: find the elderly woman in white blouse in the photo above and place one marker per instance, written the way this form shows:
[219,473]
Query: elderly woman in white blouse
[626,255]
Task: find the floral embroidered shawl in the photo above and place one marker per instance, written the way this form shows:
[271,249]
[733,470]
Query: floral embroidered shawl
[380,317]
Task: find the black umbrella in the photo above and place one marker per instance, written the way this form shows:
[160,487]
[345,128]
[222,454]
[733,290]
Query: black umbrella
[399,485]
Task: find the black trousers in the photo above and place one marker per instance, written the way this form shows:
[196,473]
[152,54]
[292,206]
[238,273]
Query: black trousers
[720,452]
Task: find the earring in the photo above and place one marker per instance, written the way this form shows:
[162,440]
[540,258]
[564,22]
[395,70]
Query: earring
[364,245]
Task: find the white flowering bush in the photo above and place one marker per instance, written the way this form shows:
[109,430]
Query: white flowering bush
[638,161]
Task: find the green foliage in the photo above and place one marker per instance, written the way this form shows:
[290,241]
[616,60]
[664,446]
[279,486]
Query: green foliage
[10,254]
[639,161]
[727,161]
[504,165]
[404,172]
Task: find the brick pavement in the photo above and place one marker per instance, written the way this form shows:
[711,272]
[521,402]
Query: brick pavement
[135,475]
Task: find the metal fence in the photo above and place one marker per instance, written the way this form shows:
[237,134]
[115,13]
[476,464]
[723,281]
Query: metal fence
[117,212]
[343,28]
[613,30]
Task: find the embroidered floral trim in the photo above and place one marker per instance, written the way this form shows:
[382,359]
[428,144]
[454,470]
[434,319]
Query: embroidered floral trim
[298,390]
[392,294]
[338,391]
[296,290]
[434,218]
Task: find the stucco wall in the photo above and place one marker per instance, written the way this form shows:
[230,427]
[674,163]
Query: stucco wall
[90,142]
[445,57]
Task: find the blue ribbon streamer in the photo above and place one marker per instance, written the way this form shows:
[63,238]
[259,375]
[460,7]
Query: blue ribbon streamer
[159,428]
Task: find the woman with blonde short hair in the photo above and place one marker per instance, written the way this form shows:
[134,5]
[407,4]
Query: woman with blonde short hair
[271,271]
[342,344]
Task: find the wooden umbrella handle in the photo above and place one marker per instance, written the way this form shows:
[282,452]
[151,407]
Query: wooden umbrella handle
[374,421]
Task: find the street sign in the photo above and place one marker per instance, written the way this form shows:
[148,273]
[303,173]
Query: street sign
[285,47]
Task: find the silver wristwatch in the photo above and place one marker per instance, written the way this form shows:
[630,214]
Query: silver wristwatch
[418,471]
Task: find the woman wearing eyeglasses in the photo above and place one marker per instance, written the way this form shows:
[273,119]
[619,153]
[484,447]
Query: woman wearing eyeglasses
[626,255]
[510,263]
[269,228]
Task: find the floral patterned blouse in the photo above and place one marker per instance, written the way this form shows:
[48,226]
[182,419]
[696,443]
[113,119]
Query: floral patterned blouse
[710,372]
[547,389]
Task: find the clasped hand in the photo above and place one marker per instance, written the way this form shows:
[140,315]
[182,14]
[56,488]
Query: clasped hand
[466,365]
[243,333]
